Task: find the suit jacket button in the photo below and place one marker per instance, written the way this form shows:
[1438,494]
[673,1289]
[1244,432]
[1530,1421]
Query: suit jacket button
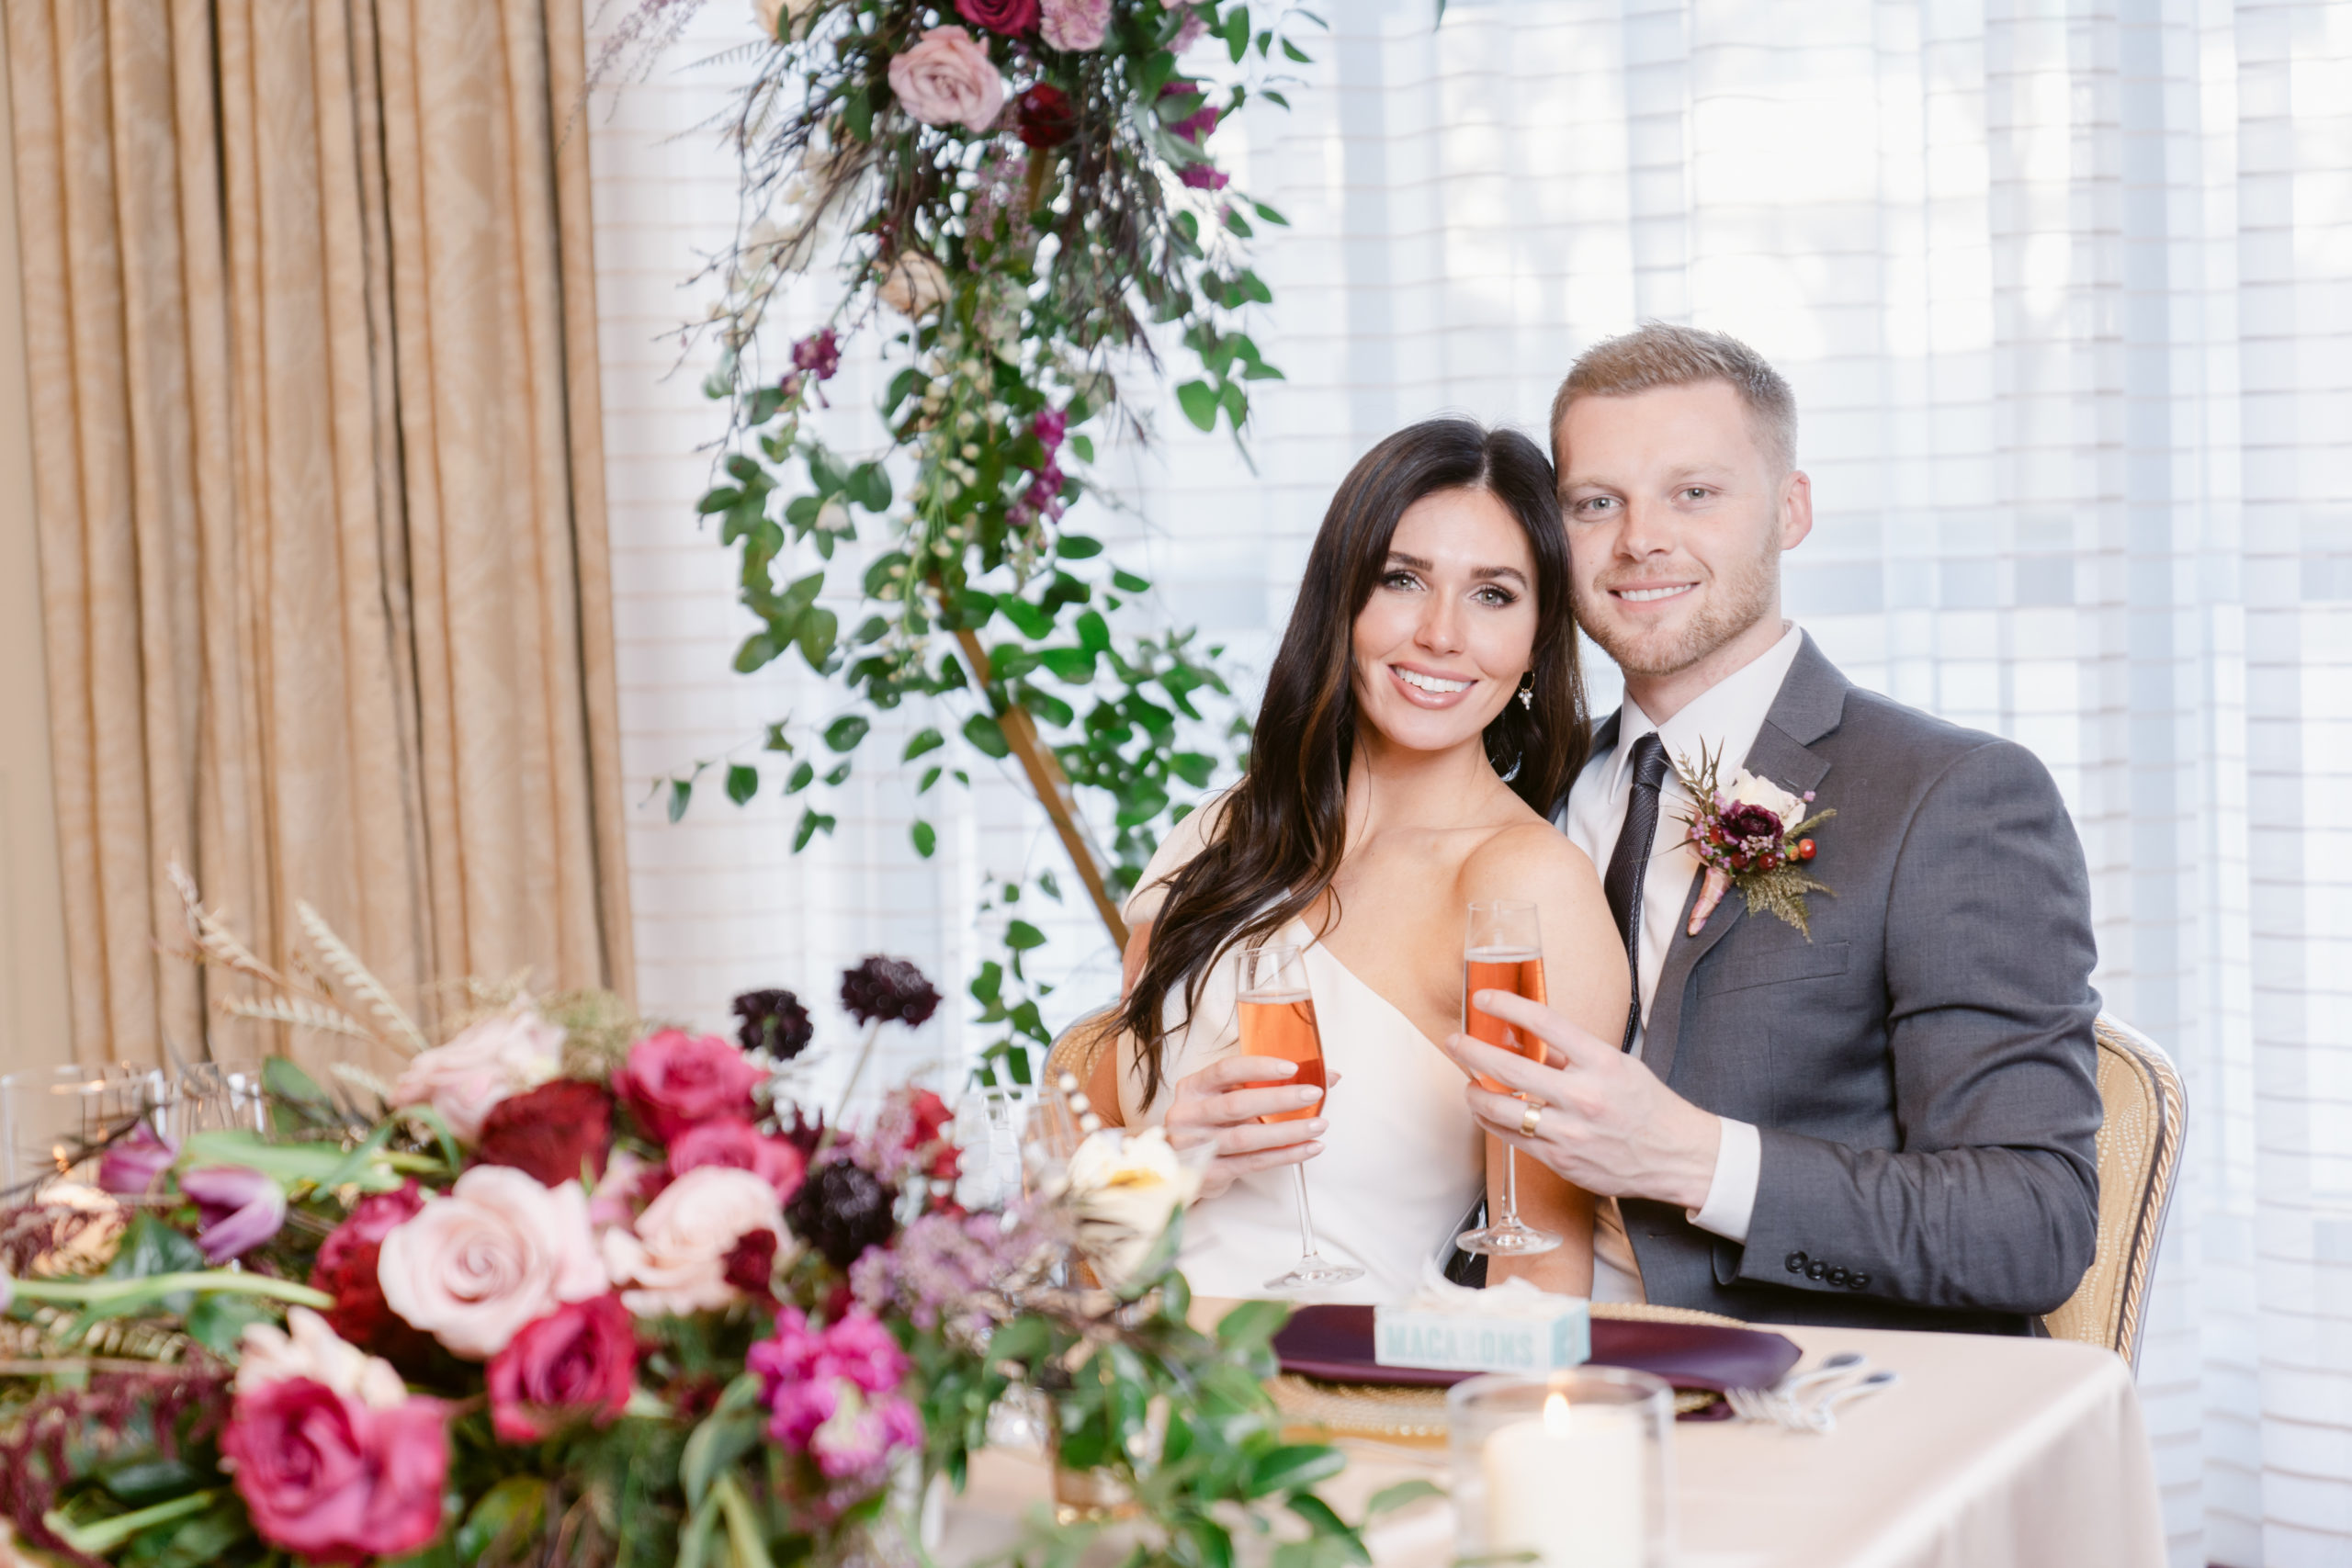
[1858,1281]
[1836,1276]
[1816,1269]
[1796,1261]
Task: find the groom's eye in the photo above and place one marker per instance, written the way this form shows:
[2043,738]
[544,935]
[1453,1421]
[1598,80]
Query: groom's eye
[1593,504]
[1695,493]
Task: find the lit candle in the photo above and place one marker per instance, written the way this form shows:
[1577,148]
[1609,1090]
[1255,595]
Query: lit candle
[1569,1486]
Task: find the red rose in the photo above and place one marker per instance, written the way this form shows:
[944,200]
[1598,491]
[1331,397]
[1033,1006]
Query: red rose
[672,1082]
[345,1269]
[333,1479]
[751,1264]
[1011,17]
[1046,115]
[554,1132]
[578,1362]
[731,1140]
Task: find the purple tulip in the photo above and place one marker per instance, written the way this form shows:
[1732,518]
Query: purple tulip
[133,1163]
[239,1206]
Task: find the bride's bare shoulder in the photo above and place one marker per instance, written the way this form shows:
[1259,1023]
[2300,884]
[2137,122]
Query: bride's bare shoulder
[1520,859]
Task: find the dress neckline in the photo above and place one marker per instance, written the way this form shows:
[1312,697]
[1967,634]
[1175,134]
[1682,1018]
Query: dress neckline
[1308,940]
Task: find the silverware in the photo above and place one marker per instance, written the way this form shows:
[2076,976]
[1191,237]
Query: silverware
[1779,1404]
[1824,1412]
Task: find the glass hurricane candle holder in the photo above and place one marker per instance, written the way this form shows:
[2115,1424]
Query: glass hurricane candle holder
[54,1120]
[1573,1467]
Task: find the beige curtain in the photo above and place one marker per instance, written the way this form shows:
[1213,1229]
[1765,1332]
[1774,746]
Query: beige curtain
[310,326]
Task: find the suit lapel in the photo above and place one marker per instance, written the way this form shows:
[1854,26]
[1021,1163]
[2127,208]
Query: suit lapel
[1809,705]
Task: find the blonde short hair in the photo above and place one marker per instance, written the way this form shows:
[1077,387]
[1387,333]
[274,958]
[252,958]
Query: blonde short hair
[1659,354]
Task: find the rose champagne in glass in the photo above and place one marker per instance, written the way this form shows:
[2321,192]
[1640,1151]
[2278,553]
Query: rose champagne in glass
[1278,1020]
[1503,951]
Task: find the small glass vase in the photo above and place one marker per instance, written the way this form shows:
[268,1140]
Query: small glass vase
[1574,1467]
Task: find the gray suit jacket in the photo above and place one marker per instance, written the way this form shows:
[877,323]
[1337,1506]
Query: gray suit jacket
[1922,1069]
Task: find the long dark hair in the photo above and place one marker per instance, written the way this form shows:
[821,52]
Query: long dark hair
[1284,824]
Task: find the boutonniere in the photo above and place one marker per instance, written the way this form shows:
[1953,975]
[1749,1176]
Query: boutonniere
[1750,834]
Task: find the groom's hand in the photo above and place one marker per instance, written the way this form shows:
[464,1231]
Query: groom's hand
[1608,1125]
[1218,1104]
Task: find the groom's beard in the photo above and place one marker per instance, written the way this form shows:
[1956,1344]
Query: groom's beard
[1733,603]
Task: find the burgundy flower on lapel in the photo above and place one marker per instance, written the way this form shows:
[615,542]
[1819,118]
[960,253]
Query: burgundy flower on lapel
[1750,834]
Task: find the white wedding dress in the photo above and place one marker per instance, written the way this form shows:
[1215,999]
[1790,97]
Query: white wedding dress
[1402,1161]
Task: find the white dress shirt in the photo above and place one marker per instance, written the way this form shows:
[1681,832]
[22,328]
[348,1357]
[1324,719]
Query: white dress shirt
[1724,719]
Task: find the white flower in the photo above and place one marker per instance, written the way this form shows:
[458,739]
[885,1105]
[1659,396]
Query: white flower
[915,285]
[268,1354]
[1126,1188]
[1746,789]
[497,1057]
[676,1258]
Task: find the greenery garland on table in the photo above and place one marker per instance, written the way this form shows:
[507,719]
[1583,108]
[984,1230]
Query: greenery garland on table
[575,1292]
[1018,194]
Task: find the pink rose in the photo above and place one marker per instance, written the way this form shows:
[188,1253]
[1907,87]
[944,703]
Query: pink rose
[675,1259]
[672,1082]
[579,1362]
[1075,25]
[947,77]
[731,1141]
[483,1066]
[500,1250]
[333,1479]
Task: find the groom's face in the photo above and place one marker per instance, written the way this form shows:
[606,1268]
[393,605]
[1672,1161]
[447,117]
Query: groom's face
[1677,516]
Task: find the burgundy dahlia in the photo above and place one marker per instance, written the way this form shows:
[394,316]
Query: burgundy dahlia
[559,1132]
[1045,116]
[884,990]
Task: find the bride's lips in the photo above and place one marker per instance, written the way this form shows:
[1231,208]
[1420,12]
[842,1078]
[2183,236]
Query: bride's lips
[1427,699]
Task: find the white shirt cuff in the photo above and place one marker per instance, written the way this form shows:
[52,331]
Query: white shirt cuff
[1731,1196]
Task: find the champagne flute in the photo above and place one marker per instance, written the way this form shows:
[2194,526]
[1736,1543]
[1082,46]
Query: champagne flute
[1278,1020]
[1503,951]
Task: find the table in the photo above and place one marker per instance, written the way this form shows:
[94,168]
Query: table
[2027,1453]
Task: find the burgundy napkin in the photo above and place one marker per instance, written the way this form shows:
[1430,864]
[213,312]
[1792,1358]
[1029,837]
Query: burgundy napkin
[1335,1343]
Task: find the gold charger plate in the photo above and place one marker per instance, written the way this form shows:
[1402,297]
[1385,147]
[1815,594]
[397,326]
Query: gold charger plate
[1417,1415]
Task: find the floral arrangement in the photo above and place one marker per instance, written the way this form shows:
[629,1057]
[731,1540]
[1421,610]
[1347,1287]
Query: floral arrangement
[1750,834]
[1023,200]
[577,1289]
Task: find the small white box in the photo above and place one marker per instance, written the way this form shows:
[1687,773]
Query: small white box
[1526,1338]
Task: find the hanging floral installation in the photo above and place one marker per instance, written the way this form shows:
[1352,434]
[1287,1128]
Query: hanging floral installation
[1022,202]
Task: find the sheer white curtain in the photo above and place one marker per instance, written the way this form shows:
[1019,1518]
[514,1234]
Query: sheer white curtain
[2065,292]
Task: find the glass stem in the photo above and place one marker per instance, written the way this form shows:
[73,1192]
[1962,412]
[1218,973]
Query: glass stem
[1305,1219]
[1511,1187]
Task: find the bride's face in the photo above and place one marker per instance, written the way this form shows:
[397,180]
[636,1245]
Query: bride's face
[1442,644]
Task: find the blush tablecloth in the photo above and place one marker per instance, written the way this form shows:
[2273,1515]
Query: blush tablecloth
[2029,1453]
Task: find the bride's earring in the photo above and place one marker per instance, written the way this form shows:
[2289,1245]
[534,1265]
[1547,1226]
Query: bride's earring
[1527,690]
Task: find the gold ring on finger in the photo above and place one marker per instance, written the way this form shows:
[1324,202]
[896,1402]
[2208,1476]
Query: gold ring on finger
[1528,1118]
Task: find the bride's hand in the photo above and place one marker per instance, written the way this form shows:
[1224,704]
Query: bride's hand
[1210,1106]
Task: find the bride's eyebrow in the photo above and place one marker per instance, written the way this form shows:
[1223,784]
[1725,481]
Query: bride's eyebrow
[1478,573]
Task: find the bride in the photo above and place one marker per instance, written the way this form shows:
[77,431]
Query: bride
[1424,716]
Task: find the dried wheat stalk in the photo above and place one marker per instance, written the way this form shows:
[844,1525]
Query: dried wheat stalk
[302,1013]
[345,967]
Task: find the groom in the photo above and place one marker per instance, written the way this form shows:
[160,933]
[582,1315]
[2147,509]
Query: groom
[1889,1125]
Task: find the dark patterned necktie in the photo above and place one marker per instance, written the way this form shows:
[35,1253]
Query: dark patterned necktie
[1629,865]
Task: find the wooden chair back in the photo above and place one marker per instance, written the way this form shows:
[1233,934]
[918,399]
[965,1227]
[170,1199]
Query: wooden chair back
[2138,1158]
